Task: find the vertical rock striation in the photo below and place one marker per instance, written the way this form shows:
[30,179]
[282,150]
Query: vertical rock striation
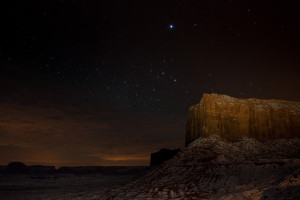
[234,118]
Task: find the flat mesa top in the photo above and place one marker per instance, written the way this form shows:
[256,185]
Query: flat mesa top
[274,103]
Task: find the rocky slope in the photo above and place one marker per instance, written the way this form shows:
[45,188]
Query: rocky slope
[211,168]
[233,118]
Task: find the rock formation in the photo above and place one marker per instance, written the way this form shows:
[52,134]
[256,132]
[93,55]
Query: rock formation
[159,157]
[234,118]
[214,168]
[16,168]
[41,169]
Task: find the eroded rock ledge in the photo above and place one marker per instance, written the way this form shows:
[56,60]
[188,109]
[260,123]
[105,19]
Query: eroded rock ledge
[233,118]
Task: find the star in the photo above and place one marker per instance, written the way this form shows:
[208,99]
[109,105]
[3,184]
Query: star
[171,26]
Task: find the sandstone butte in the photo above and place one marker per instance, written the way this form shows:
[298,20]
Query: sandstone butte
[233,118]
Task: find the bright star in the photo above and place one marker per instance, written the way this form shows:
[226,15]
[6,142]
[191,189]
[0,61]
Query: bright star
[171,26]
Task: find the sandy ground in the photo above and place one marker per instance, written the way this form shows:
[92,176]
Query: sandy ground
[58,186]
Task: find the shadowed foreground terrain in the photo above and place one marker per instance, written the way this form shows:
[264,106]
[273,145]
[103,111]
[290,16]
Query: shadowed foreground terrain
[211,168]
[64,183]
[208,168]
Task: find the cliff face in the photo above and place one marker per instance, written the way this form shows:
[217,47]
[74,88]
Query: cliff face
[234,118]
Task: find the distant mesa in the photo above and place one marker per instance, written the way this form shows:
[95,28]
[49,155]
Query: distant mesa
[65,170]
[233,118]
[105,170]
[161,156]
[3,169]
[21,168]
[16,168]
[41,169]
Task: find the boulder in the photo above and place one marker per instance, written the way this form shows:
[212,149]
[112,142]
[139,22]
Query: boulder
[233,118]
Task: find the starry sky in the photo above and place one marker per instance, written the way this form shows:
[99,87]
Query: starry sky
[87,82]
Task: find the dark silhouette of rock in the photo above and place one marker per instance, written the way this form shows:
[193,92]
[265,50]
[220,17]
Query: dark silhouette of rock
[233,118]
[41,169]
[159,157]
[65,170]
[3,169]
[16,168]
[105,170]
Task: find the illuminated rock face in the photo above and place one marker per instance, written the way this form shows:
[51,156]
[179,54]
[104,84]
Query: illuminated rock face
[234,118]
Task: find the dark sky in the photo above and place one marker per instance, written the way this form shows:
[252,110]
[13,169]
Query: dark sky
[108,82]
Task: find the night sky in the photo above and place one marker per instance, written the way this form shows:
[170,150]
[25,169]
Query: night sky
[108,82]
